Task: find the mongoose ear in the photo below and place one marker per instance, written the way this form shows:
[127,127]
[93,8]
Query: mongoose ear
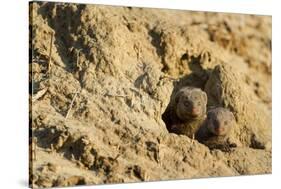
[232,116]
[205,98]
[177,97]
[209,115]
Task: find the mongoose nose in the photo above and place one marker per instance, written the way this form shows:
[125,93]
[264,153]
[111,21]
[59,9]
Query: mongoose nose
[219,130]
[195,111]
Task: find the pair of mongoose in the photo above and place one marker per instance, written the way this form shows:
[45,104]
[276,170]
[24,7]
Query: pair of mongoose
[187,116]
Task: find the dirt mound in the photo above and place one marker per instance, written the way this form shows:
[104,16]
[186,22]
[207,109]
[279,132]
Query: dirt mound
[96,114]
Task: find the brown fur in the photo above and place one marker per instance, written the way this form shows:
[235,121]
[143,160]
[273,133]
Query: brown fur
[179,117]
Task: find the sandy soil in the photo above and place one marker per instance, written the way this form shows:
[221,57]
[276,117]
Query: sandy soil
[96,109]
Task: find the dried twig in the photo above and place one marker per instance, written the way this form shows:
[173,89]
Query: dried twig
[71,104]
[136,91]
[168,77]
[114,95]
[117,156]
[39,94]
[192,140]
[33,149]
[50,53]
[78,56]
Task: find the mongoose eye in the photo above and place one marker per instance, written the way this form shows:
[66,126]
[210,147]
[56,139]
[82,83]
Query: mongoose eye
[216,123]
[186,103]
[199,103]
[225,122]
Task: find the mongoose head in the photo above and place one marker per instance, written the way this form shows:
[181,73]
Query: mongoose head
[190,103]
[220,121]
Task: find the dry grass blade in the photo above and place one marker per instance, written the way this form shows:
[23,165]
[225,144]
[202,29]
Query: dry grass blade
[39,94]
[50,53]
[71,104]
[77,60]
[115,95]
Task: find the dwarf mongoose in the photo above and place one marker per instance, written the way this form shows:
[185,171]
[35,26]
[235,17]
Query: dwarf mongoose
[215,130]
[187,112]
